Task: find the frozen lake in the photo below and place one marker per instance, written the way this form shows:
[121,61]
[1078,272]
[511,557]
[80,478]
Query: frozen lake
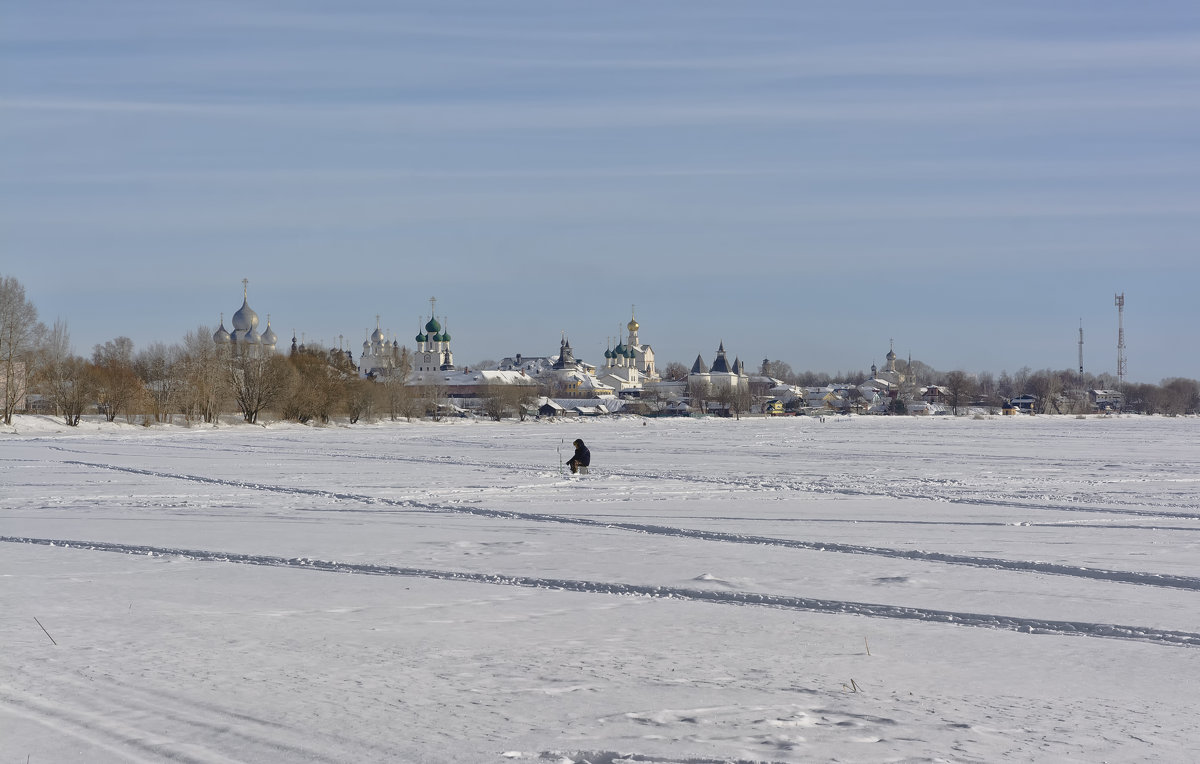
[771,590]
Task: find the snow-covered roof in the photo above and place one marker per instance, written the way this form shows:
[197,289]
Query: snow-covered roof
[470,377]
[587,381]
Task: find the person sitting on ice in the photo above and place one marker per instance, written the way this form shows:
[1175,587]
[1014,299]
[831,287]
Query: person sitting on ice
[582,457]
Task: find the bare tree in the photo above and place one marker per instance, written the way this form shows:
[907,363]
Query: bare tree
[19,330]
[1180,396]
[654,398]
[69,383]
[959,389]
[259,381]
[119,350]
[1143,398]
[1105,381]
[699,394]
[1020,380]
[317,391]
[433,393]
[1045,386]
[812,379]
[521,397]
[118,386]
[204,367]
[411,402]
[740,400]
[159,367]
[1004,386]
[361,396]
[495,402]
[674,372]
[778,370]
[65,379]
[396,393]
[985,385]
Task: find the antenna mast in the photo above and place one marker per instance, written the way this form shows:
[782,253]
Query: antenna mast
[1081,354]
[1119,300]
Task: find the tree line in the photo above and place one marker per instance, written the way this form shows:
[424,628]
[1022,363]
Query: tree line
[198,380]
[1056,391]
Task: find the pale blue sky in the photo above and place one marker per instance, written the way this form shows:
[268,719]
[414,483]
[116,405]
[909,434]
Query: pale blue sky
[803,181]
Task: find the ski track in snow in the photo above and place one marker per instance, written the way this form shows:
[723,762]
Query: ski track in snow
[1021,566]
[839,607]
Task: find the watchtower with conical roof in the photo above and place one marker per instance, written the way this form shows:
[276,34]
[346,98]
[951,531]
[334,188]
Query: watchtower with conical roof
[721,375]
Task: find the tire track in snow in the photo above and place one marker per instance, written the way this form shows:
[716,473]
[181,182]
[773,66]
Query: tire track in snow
[808,604]
[819,486]
[992,563]
[123,727]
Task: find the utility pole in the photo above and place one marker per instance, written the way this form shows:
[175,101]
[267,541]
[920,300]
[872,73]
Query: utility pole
[1119,301]
[1081,354]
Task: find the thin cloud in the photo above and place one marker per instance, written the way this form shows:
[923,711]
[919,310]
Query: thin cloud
[626,113]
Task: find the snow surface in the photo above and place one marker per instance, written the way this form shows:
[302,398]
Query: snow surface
[770,590]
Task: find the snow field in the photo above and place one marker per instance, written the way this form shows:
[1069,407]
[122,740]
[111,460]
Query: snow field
[1026,588]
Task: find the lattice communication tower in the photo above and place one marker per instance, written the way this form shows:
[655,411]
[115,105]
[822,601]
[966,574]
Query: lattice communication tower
[1119,300]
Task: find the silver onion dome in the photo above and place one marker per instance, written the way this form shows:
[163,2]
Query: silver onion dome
[268,337]
[220,336]
[245,319]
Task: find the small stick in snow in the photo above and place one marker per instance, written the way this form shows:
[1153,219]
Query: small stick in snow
[868,644]
[39,623]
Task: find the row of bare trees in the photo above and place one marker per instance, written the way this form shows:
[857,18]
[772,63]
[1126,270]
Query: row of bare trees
[199,380]
[1062,391]
[1065,391]
[730,399]
[195,379]
[500,401]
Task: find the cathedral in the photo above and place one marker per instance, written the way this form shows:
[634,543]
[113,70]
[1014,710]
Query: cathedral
[433,352]
[379,357]
[889,375]
[630,364]
[245,339]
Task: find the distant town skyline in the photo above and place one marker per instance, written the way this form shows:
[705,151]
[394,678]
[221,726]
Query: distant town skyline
[802,182]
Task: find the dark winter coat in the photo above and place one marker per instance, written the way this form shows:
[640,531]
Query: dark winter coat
[582,457]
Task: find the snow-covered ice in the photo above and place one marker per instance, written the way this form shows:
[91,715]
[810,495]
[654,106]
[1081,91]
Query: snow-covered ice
[770,590]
